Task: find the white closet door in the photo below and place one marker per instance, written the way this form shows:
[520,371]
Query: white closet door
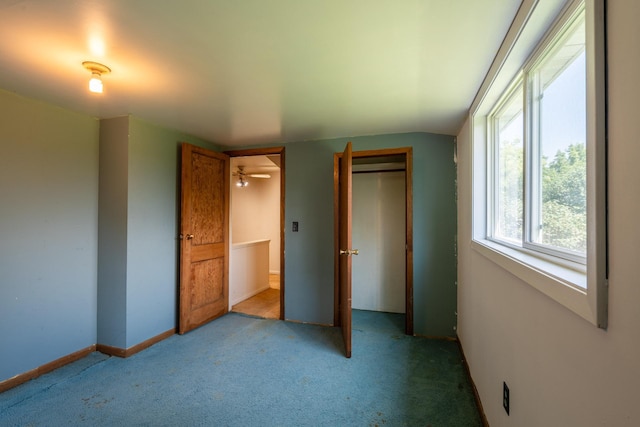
[379,234]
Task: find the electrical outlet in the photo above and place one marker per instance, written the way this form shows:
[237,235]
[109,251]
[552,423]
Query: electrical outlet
[505,397]
[294,228]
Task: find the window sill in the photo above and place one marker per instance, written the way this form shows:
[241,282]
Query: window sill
[564,285]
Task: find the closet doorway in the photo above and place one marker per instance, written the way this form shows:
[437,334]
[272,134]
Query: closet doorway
[382,230]
[378,227]
[256,261]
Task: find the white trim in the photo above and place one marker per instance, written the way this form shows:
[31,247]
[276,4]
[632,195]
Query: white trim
[597,161]
[240,245]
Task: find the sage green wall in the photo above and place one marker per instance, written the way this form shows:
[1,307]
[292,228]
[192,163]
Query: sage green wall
[48,233]
[309,252]
[149,248]
[50,283]
[112,232]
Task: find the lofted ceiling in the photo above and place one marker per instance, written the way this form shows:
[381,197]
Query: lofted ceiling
[240,72]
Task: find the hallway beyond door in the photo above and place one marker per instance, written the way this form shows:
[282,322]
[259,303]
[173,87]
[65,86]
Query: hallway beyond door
[266,304]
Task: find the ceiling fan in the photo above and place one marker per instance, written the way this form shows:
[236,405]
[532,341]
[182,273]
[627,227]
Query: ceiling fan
[242,173]
[242,176]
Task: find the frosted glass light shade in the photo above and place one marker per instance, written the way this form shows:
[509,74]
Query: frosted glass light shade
[95,84]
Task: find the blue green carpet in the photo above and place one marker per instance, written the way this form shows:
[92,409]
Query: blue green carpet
[243,371]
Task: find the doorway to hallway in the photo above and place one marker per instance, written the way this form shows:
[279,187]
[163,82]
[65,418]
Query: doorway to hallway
[256,279]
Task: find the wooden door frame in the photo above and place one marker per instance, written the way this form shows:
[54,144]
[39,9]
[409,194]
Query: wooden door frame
[267,152]
[407,152]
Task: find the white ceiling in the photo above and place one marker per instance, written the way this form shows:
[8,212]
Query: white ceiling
[258,71]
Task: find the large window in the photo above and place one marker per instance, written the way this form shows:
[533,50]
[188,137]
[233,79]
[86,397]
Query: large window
[543,166]
[540,146]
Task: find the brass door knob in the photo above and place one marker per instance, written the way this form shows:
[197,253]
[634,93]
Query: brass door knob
[348,252]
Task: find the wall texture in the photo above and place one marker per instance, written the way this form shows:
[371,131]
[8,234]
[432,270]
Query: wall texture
[309,252]
[49,233]
[562,371]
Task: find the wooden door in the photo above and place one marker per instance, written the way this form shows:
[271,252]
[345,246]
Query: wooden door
[344,233]
[204,235]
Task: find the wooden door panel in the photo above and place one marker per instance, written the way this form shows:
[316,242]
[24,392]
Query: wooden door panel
[210,272]
[202,252]
[204,249]
[345,184]
[208,196]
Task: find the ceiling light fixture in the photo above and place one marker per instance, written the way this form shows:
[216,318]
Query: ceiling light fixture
[242,182]
[97,70]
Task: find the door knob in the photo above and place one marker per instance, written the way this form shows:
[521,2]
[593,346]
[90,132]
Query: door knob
[189,236]
[349,252]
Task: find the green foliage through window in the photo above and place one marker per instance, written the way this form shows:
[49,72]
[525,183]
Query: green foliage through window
[564,199]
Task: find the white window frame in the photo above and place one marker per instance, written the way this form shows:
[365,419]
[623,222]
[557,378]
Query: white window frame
[532,117]
[493,159]
[580,287]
